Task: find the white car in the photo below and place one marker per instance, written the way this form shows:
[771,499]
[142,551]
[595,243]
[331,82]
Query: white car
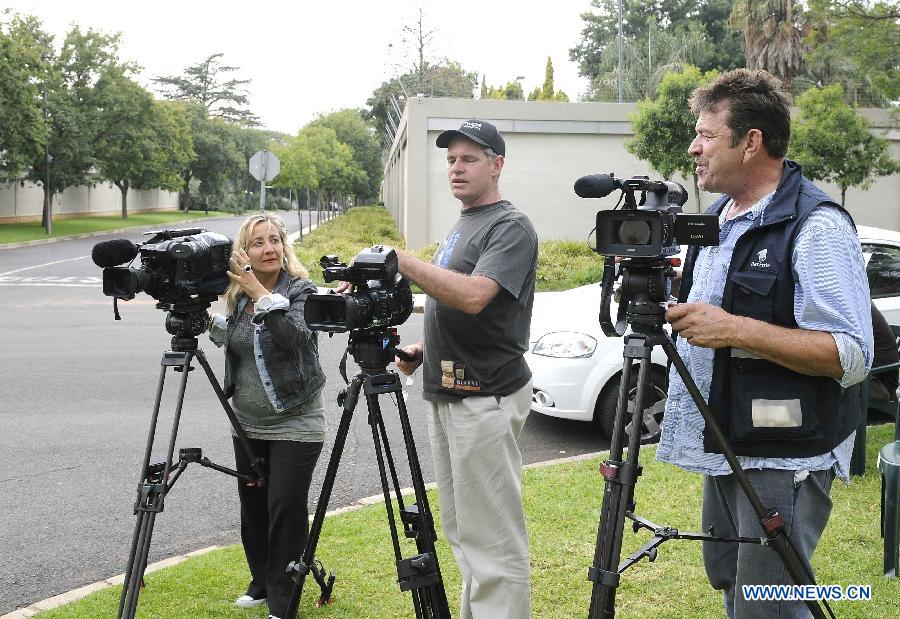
[577,369]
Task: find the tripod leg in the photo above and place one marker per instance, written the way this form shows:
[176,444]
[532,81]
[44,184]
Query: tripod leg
[256,463]
[299,569]
[435,594]
[620,479]
[770,521]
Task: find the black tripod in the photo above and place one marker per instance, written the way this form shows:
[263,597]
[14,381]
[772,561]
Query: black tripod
[373,350]
[646,317]
[158,477]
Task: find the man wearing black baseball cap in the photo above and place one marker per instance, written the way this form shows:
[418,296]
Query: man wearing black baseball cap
[480,287]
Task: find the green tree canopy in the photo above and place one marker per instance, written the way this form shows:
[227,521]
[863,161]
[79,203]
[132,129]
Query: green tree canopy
[664,126]
[659,36]
[210,83]
[352,130]
[547,92]
[140,143]
[444,79]
[23,70]
[71,110]
[856,43]
[834,143]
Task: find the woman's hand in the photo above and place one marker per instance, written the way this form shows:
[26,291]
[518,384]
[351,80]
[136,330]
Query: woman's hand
[241,273]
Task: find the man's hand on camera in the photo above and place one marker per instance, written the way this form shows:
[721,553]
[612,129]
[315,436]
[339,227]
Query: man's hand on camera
[702,324]
[408,367]
[342,287]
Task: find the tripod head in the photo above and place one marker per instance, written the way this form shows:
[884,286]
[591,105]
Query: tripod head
[646,283]
[186,320]
[374,348]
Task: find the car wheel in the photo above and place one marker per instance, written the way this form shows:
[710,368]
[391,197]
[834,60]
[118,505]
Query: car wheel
[654,403]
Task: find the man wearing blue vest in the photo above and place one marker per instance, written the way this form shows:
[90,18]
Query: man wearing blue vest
[775,328]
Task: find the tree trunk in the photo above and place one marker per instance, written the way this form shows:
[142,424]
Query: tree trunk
[843,195]
[123,187]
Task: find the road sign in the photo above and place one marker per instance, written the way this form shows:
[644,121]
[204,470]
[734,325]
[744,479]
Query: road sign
[264,166]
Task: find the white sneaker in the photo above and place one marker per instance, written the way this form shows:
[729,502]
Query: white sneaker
[245,601]
[272,617]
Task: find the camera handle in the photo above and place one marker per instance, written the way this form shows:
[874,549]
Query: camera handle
[158,478]
[419,574]
[621,479]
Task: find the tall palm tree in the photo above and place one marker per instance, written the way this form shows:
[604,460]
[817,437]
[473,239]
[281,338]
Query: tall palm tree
[772,38]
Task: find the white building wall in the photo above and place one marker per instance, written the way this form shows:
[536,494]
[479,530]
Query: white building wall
[549,146]
[24,201]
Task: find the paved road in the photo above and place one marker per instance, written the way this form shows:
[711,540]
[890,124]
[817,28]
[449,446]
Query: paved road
[77,394]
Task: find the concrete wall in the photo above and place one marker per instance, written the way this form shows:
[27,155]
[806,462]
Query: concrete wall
[25,201]
[549,146]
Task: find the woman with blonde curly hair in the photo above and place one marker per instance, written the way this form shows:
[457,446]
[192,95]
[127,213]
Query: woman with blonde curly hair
[273,376]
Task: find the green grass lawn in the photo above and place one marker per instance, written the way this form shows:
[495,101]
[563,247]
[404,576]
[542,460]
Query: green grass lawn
[562,503]
[561,264]
[32,231]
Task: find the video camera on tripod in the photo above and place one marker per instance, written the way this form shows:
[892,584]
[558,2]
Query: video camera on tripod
[643,235]
[381,296]
[184,270]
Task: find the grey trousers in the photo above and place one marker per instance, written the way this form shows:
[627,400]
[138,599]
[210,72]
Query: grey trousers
[805,507]
[478,467]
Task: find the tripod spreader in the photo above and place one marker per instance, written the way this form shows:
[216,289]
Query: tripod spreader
[420,574]
[621,475]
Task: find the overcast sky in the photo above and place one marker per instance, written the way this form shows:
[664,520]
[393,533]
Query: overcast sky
[315,56]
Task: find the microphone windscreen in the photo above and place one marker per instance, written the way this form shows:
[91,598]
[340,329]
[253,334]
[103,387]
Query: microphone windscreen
[595,186]
[112,253]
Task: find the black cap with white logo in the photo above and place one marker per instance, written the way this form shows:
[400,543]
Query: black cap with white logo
[479,131]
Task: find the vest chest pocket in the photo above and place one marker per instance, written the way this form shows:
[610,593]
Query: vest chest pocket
[753,294]
[770,402]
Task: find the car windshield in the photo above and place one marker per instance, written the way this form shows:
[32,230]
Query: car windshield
[882,269]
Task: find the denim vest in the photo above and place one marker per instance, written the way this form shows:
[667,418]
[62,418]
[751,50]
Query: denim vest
[760,285]
[287,350]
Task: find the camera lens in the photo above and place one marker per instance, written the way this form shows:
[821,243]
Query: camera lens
[634,233]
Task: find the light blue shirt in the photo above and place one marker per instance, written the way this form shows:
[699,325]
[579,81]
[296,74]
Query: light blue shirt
[831,295]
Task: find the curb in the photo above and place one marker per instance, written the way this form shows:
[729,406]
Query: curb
[57,239]
[76,594]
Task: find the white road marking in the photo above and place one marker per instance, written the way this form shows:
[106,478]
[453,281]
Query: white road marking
[46,264]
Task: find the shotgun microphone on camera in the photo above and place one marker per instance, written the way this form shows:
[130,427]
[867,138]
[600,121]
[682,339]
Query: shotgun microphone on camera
[596,186]
[112,253]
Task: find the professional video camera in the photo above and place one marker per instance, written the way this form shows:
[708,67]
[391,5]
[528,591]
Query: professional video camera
[175,264]
[184,270]
[381,296]
[643,235]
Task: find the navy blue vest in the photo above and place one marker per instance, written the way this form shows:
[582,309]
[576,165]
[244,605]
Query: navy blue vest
[760,285]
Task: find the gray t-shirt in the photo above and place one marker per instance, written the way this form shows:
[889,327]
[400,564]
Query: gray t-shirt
[483,354]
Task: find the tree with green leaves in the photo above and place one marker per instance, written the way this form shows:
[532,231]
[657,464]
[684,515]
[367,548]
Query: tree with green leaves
[834,143]
[352,130]
[422,73]
[659,36]
[547,91]
[446,79]
[664,126]
[772,36]
[140,143]
[23,71]
[71,112]
[210,83]
[856,43]
[512,91]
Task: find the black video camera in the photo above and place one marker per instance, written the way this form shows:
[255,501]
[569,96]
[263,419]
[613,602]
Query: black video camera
[643,235]
[650,228]
[175,266]
[381,296]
